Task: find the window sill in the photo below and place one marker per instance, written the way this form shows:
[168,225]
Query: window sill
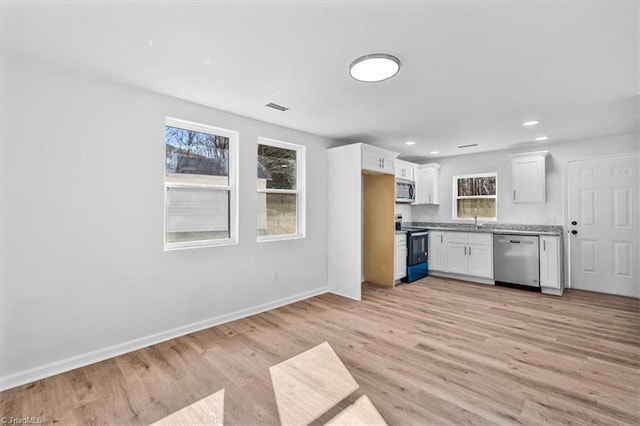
[200,244]
[270,238]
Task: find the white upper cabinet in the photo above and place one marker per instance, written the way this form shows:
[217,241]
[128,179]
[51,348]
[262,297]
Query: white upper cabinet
[405,170]
[378,160]
[528,177]
[427,183]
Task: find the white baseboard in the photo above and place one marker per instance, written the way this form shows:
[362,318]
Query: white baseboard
[344,295]
[553,291]
[27,376]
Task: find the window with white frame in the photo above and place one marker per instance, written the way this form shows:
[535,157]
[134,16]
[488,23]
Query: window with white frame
[475,195]
[281,190]
[200,185]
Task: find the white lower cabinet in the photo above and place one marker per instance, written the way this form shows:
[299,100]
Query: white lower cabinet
[400,270]
[481,260]
[550,262]
[469,253]
[436,253]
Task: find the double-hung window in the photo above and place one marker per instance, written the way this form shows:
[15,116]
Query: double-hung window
[200,185]
[475,195]
[281,190]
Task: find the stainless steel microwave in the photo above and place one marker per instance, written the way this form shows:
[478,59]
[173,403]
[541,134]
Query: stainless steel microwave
[405,191]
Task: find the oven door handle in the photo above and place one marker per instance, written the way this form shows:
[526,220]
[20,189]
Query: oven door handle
[419,234]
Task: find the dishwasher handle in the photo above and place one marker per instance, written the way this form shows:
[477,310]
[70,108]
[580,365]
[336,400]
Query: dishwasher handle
[515,240]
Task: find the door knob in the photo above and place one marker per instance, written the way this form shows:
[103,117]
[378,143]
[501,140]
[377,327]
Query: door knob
[574,223]
[574,232]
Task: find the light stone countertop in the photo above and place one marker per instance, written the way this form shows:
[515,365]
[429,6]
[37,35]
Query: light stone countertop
[492,227]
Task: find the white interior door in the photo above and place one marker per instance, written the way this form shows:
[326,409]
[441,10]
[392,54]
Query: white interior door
[603,216]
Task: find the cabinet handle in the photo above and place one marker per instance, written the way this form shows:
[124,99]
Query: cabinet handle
[465,250]
[469,250]
[441,239]
[544,245]
[429,197]
[383,163]
[514,194]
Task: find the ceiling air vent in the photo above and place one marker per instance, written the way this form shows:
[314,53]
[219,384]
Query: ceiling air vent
[468,146]
[276,106]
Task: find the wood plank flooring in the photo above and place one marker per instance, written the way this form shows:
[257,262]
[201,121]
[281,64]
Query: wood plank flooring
[432,352]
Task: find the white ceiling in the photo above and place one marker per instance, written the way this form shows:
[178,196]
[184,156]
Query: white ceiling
[471,72]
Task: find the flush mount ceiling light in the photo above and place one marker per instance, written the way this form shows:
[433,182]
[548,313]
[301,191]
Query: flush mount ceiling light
[410,143]
[530,123]
[374,67]
[542,138]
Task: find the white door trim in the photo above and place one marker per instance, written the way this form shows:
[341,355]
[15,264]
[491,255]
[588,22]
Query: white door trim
[567,212]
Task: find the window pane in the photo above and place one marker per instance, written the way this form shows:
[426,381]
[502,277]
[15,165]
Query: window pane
[277,214]
[477,186]
[486,207]
[196,157]
[276,167]
[197,214]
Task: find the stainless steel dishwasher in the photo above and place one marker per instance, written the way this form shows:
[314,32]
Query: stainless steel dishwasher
[516,259]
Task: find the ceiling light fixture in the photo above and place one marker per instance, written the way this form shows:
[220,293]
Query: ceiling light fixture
[435,152]
[374,67]
[410,143]
[542,138]
[530,123]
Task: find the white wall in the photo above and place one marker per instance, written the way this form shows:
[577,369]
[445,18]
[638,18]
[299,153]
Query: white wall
[553,211]
[83,266]
[405,210]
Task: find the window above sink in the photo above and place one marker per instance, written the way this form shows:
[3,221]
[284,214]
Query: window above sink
[475,196]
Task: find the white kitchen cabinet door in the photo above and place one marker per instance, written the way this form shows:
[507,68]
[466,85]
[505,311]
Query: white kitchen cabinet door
[405,170]
[436,253]
[480,260]
[550,262]
[401,262]
[378,160]
[528,177]
[469,253]
[456,258]
[427,184]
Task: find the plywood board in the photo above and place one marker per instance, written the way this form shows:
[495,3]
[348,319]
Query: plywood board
[310,384]
[378,235]
[360,413]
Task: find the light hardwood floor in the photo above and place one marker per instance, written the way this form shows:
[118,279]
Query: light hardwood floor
[433,352]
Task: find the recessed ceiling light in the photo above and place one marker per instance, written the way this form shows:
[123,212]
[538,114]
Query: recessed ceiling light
[374,67]
[531,123]
[542,138]
[434,152]
[410,143]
